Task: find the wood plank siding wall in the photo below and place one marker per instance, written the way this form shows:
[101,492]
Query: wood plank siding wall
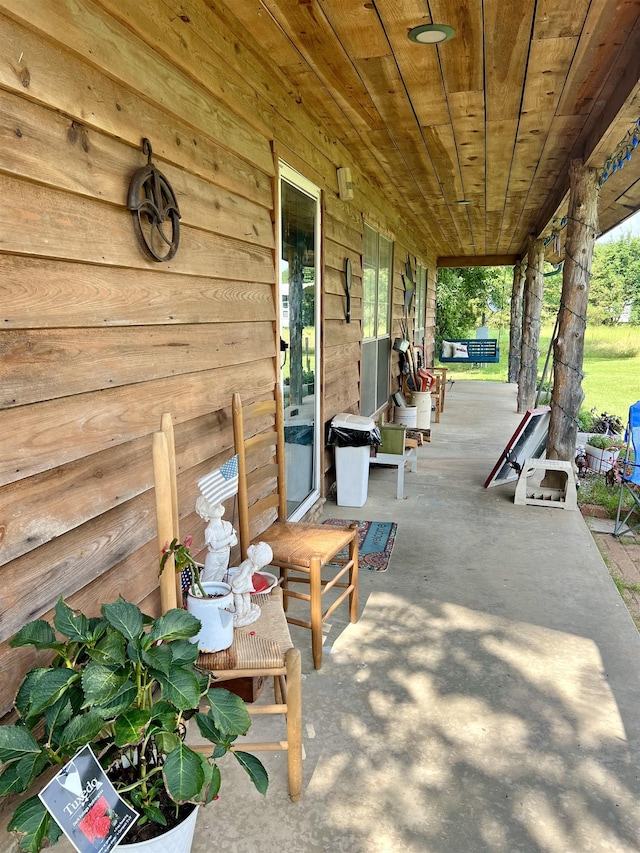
[95,340]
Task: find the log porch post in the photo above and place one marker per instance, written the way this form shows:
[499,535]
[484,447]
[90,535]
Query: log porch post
[582,224]
[533,290]
[515,326]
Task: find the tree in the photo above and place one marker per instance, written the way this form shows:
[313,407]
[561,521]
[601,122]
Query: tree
[615,281]
[464,298]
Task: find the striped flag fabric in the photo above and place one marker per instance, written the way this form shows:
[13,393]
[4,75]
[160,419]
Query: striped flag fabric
[221,483]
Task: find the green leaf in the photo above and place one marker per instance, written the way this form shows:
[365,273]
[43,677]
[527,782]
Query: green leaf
[125,697]
[110,651]
[35,824]
[58,715]
[81,730]
[180,687]
[212,781]
[71,623]
[51,685]
[101,683]
[16,742]
[229,712]
[158,657]
[37,633]
[208,728]
[184,652]
[164,714]
[134,650]
[124,617]
[176,624]
[167,742]
[12,781]
[19,775]
[153,813]
[27,688]
[219,750]
[131,726]
[255,768]
[183,774]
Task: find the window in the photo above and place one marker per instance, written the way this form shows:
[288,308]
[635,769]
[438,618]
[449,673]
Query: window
[377,285]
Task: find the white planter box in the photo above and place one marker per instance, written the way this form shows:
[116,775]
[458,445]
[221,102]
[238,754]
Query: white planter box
[600,460]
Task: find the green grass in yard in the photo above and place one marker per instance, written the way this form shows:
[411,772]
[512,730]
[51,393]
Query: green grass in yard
[611,366]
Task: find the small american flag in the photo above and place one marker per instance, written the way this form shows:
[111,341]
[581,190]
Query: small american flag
[220,484]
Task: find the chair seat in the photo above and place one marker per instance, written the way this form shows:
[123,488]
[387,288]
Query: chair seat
[295,543]
[261,645]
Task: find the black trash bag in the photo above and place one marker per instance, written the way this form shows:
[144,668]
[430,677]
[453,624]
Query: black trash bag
[340,436]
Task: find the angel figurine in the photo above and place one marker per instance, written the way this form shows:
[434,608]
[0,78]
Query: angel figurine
[219,537]
[247,611]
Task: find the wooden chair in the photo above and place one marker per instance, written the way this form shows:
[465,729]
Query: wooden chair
[440,388]
[262,649]
[301,551]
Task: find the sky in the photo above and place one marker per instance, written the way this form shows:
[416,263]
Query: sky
[631,224]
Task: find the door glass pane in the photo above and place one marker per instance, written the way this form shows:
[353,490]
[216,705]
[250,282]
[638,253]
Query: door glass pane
[298,274]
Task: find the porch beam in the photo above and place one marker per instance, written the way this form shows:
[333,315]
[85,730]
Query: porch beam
[476,261]
[533,290]
[568,351]
[515,324]
[600,135]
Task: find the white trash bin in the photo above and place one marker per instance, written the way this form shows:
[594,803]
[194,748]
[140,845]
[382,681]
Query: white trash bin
[352,463]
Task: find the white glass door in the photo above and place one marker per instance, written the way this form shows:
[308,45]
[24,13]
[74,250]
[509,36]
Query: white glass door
[299,301]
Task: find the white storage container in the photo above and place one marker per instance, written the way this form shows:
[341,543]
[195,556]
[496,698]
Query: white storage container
[422,402]
[352,463]
[406,415]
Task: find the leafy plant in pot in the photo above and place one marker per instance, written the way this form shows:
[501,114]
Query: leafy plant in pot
[602,451]
[126,684]
[209,601]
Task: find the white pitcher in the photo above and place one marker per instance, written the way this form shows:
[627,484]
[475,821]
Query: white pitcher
[215,615]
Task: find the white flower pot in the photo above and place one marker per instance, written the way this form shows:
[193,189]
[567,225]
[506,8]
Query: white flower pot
[215,615]
[600,460]
[177,840]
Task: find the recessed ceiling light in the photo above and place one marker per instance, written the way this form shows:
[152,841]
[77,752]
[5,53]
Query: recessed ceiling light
[464,201]
[431,33]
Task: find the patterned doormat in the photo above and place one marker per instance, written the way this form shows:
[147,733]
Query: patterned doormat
[375,542]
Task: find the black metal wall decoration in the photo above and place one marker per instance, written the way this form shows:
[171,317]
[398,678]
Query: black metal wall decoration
[156,216]
[347,287]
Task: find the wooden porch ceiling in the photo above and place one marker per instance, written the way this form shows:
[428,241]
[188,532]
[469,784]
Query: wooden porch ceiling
[491,117]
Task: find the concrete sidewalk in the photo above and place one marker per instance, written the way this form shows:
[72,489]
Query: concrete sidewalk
[488,698]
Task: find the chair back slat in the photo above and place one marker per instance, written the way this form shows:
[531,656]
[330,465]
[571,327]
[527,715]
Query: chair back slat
[269,442]
[167,528]
[260,441]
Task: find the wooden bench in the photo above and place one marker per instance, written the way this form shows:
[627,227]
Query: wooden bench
[480,351]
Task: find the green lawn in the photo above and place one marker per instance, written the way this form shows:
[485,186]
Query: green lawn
[611,367]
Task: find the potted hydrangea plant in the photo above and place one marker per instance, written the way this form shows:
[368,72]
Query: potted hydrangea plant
[126,684]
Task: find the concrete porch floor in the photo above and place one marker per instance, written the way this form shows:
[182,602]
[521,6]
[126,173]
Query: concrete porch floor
[488,697]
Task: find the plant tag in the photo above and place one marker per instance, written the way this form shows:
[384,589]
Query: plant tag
[86,806]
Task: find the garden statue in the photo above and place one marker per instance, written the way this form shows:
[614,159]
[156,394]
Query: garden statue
[219,537]
[258,556]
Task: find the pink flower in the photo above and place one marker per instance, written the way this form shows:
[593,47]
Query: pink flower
[188,541]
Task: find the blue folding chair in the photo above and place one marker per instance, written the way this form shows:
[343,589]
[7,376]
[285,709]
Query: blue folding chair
[629,473]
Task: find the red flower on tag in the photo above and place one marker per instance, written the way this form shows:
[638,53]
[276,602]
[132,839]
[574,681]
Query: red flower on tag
[95,824]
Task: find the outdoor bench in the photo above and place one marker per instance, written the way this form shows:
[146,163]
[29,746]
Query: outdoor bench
[479,350]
